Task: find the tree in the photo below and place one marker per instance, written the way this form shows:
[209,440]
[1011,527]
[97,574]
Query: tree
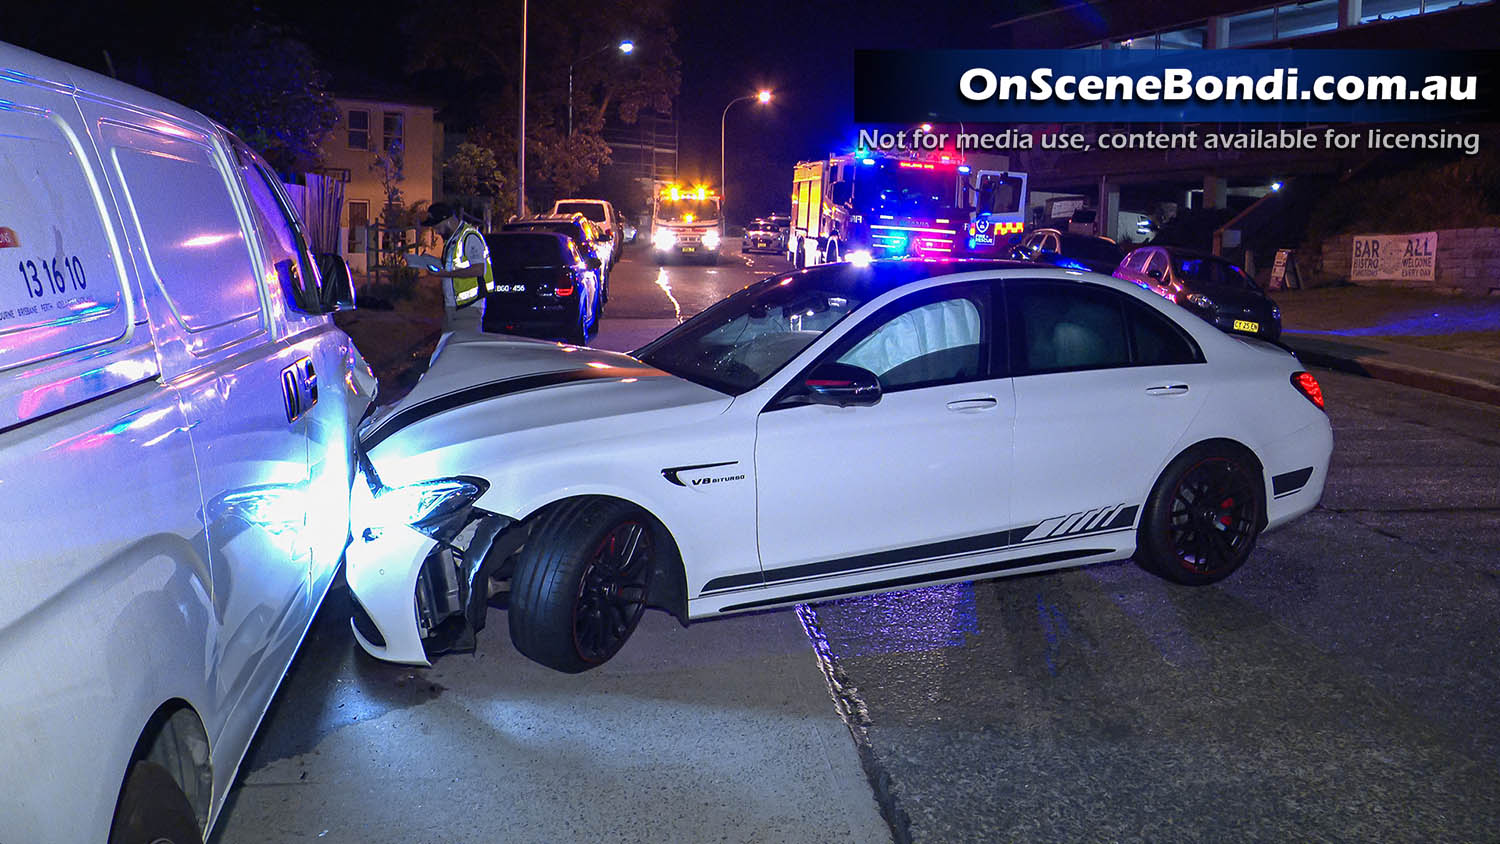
[262,84]
[605,86]
[474,171]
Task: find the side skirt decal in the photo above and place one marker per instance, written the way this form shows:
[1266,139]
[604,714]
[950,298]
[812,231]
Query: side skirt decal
[1122,518]
[915,579]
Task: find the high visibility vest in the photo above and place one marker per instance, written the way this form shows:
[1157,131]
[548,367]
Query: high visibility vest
[457,257]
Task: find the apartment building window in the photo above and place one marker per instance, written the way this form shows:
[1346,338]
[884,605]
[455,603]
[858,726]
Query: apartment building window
[394,130]
[358,126]
[1294,20]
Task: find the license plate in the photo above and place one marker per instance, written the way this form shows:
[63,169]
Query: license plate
[690,249]
[510,288]
[1246,325]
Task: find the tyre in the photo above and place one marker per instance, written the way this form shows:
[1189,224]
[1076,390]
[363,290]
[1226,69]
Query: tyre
[153,809]
[831,252]
[581,584]
[576,332]
[1203,516]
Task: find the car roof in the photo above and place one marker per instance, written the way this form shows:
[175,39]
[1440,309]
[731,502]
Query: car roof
[526,233]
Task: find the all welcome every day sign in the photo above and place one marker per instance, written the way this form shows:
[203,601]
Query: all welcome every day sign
[1394,257]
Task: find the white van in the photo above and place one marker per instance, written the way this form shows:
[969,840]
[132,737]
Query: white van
[176,408]
[601,211]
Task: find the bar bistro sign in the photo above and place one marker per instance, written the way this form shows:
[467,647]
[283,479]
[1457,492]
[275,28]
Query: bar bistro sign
[1396,257]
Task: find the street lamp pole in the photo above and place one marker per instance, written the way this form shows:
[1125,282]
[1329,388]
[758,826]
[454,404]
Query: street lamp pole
[627,47]
[762,97]
[521,141]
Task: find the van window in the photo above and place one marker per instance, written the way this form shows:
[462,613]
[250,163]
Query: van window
[297,280]
[194,247]
[62,287]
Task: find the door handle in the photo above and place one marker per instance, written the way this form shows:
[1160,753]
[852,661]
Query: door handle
[291,395]
[1167,390]
[977,403]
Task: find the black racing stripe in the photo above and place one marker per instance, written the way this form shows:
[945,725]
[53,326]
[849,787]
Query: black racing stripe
[997,541]
[1124,520]
[912,580]
[1290,482]
[492,389]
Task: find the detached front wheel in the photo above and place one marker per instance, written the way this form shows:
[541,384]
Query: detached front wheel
[1203,516]
[581,584]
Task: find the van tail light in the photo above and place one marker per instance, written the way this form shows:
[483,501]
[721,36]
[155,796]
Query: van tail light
[1307,385]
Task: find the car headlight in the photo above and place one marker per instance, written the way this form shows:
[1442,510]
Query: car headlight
[427,506]
[1201,301]
[860,257]
[711,239]
[663,239]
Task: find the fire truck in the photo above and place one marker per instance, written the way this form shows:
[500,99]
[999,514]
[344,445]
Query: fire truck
[863,205]
[686,222]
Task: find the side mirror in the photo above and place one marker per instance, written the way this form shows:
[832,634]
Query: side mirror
[338,282]
[841,192]
[842,385]
[593,262]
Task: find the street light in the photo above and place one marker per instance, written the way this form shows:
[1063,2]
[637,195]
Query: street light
[626,47]
[762,97]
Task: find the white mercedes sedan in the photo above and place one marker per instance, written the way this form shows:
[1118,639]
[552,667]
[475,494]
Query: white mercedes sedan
[833,431]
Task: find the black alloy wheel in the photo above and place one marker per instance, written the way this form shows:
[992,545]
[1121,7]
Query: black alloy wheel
[612,591]
[1203,518]
[583,581]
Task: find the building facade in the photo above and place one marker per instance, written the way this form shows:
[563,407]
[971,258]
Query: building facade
[366,128]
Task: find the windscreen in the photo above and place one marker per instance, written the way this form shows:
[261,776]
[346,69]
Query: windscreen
[743,340]
[894,189]
[593,210]
[687,210]
[1211,272]
[526,251]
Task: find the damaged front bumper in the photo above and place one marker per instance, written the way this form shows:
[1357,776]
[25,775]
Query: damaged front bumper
[422,589]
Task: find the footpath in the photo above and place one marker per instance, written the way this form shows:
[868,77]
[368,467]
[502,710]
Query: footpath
[1446,344]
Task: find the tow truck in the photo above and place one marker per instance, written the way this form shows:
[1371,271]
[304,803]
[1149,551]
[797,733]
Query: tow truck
[686,222]
[868,204]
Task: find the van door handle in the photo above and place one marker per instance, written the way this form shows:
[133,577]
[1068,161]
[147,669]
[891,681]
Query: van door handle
[976,403]
[291,394]
[1167,390]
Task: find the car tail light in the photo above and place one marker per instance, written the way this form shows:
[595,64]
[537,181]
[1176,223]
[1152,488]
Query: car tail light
[568,291]
[1307,385]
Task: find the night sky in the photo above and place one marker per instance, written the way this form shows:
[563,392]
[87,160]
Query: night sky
[803,51]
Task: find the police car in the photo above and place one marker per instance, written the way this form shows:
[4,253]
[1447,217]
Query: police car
[836,430]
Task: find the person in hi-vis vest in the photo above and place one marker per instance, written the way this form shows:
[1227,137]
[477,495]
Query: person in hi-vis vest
[466,272]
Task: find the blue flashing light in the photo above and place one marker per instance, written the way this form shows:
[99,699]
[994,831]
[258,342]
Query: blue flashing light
[963,168]
[867,161]
[1071,265]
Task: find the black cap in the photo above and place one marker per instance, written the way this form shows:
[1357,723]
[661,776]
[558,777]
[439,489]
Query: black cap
[438,212]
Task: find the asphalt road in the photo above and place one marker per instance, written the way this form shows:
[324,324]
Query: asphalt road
[1340,687]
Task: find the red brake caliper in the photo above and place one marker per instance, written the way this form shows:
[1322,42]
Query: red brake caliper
[1224,519]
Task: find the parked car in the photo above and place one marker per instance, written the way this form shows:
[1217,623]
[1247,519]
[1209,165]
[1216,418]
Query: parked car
[588,237]
[1212,288]
[176,431]
[1069,251]
[833,430]
[603,214]
[543,284]
[763,236]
